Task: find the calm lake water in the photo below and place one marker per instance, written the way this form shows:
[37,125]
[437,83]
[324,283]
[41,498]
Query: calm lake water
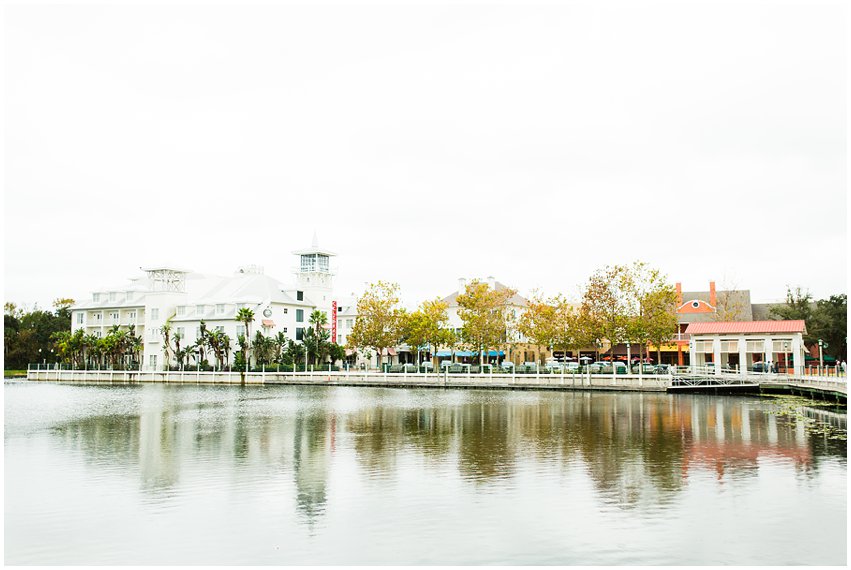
[158,474]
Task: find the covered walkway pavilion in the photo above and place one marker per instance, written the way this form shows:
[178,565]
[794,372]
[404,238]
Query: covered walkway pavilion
[738,345]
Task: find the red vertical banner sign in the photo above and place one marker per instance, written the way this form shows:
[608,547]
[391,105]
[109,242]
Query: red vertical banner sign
[334,321]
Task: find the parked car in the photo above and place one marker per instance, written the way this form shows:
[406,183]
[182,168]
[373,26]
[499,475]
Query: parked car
[663,369]
[571,367]
[554,367]
[427,366]
[761,367]
[645,369]
[507,365]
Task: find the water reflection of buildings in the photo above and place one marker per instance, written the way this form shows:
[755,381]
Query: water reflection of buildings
[633,448]
[313,438]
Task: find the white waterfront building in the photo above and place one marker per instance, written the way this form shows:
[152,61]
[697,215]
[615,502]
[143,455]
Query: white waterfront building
[185,298]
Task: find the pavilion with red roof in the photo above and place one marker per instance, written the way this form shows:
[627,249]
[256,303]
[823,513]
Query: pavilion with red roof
[748,345]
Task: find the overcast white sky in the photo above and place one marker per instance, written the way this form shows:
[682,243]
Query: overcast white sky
[426,142]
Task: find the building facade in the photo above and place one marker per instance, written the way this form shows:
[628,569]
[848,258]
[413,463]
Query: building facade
[748,345]
[184,299]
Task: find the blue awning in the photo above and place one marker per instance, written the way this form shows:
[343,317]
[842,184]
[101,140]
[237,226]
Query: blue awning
[445,353]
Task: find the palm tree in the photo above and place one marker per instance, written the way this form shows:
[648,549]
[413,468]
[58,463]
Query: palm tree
[166,332]
[90,346]
[225,344]
[135,344]
[318,319]
[246,317]
[78,348]
[263,348]
[316,339]
[218,342]
[179,354]
[296,350]
[62,344]
[280,347]
[311,342]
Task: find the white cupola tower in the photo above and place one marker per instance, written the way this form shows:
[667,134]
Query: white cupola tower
[313,275]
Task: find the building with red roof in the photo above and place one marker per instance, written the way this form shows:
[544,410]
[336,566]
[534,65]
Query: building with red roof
[748,345]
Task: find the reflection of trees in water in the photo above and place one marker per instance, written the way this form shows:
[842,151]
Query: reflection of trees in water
[636,448]
[485,442]
[378,434]
[632,444]
[429,430]
[102,438]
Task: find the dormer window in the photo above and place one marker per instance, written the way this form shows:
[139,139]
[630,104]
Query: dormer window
[95,297]
[199,309]
[112,297]
[299,295]
[181,311]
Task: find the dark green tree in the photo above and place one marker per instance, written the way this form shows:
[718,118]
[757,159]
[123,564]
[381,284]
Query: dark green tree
[829,322]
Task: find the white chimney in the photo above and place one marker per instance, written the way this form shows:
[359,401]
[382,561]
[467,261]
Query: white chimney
[491,282]
[462,285]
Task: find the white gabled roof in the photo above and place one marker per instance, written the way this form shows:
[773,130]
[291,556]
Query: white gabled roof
[202,289]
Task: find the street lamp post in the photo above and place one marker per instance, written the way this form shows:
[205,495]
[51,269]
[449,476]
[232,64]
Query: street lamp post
[820,356]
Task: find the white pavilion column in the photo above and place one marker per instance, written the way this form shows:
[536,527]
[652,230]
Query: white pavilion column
[743,356]
[798,351]
[716,354]
[769,350]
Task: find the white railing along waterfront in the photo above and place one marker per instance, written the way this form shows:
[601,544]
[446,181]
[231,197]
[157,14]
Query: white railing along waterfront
[577,380]
[679,376]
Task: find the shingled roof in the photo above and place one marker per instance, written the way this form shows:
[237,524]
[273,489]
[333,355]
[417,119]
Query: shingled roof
[747,327]
[732,298]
